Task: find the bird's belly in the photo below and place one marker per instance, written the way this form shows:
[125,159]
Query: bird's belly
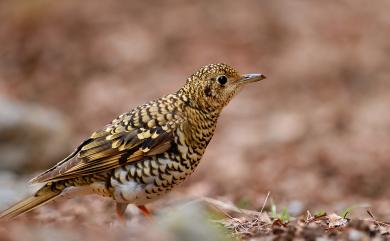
[146,180]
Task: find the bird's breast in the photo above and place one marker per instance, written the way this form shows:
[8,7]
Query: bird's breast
[146,180]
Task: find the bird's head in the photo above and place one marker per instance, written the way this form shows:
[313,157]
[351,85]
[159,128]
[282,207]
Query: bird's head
[214,85]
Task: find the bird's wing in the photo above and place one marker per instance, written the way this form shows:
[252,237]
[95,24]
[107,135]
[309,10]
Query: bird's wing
[126,140]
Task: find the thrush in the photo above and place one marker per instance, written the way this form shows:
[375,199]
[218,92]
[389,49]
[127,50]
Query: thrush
[144,153]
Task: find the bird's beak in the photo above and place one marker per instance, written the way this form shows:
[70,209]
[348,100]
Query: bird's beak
[250,78]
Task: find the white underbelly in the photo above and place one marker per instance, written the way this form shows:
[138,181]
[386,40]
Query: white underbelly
[129,189]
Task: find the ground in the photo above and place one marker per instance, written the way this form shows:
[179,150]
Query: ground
[315,134]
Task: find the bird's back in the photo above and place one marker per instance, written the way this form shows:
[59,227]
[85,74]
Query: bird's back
[147,130]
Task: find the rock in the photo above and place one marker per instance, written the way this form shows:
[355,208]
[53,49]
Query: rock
[31,137]
[295,208]
[356,235]
[189,223]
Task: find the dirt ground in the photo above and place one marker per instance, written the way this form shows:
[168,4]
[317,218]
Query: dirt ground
[307,148]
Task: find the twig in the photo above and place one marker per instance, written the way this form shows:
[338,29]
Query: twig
[315,217]
[374,220]
[265,202]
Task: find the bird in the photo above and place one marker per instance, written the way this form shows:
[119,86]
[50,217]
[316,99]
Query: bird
[144,153]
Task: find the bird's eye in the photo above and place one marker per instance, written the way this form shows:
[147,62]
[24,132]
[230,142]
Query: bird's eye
[222,79]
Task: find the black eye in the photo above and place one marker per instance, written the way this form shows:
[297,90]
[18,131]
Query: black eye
[222,79]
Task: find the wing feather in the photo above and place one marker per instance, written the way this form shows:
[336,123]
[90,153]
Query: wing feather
[112,147]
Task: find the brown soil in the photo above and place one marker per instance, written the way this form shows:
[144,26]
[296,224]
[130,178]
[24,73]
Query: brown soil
[315,133]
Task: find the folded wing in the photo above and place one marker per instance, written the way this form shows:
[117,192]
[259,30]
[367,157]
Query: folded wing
[112,147]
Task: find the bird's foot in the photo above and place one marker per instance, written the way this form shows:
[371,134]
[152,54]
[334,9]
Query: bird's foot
[145,211]
[120,212]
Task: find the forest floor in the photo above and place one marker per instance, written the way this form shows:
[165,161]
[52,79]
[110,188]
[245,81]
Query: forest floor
[92,218]
[304,154]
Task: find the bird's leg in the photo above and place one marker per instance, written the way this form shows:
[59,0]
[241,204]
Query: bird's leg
[120,212]
[144,210]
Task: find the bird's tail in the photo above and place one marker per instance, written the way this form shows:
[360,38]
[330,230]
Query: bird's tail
[42,196]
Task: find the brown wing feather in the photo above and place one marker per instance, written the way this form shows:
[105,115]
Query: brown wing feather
[110,148]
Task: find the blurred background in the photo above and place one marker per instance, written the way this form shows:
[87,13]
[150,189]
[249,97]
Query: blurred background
[316,133]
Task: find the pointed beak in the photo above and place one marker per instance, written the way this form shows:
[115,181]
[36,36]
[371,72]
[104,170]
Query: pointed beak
[250,78]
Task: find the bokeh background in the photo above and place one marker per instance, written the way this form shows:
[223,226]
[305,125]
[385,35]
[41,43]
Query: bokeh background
[316,133]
